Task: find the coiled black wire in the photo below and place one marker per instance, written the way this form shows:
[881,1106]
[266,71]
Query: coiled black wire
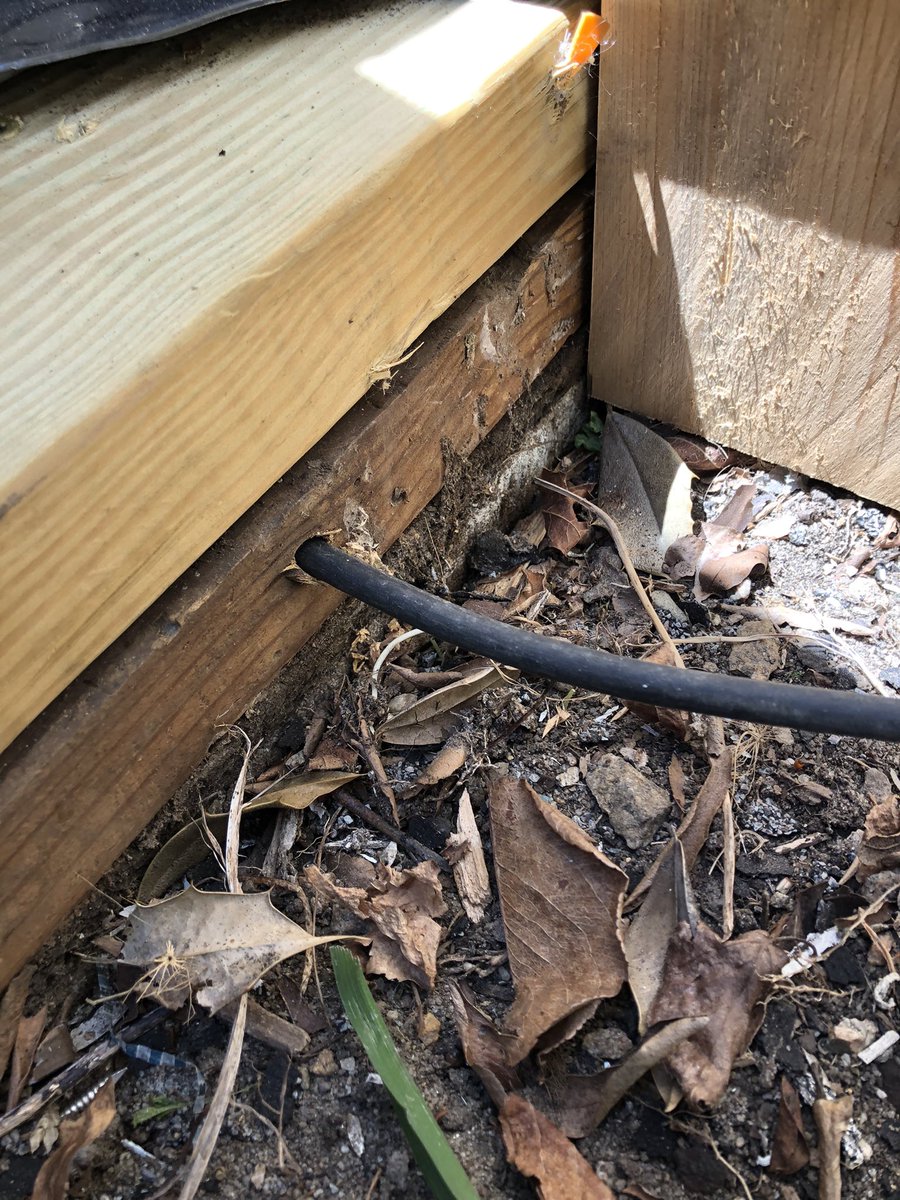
[819,710]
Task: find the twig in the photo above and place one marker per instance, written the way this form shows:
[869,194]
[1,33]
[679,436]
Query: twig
[619,542]
[729,859]
[373,758]
[365,814]
[206,1139]
[285,1158]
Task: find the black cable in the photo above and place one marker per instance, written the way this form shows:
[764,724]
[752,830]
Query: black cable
[819,710]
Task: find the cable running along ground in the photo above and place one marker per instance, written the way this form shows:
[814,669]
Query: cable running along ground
[818,710]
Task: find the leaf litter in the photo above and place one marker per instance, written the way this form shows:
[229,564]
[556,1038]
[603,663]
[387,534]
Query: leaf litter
[600,990]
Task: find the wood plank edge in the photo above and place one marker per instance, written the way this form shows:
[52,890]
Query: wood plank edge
[82,781]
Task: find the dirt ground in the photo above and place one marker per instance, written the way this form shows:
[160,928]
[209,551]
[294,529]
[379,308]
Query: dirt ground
[318,1122]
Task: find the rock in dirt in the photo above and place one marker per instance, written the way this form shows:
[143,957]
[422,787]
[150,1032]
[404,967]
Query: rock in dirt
[855,1034]
[634,804]
[759,659]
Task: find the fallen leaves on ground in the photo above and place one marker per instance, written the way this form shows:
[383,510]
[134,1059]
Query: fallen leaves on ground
[190,845]
[213,945]
[539,1150]
[646,488]
[561,901]
[704,976]
[484,1046]
[790,1150]
[402,906]
[29,1034]
[700,456]
[430,715]
[674,719]
[879,849]
[678,967]
[584,1101]
[718,557]
[832,1119]
[52,1182]
[564,529]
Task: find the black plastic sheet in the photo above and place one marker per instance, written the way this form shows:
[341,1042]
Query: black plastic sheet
[43,31]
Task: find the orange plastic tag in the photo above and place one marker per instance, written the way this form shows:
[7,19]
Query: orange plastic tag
[592,33]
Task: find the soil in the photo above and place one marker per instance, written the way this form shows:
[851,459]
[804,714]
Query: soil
[318,1123]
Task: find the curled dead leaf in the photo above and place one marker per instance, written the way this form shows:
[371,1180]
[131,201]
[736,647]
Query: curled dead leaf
[52,1182]
[790,1150]
[564,529]
[484,1046]
[880,846]
[402,906]
[539,1150]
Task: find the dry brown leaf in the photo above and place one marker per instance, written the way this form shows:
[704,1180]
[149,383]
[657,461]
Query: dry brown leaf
[332,755]
[676,781]
[775,527]
[402,905]
[562,902]
[790,1151]
[484,1046]
[189,845]
[681,557]
[700,456]
[213,944]
[738,512]
[704,976]
[724,574]
[564,529]
[52,1182]
[646,488]
[694,828]
[444,700]
[449,759]
[465,851]
[832,1119]
[673,719]
[11,1009]
[536,1147]
[880,846]
[586,1100]
[429,733]
[29,1034]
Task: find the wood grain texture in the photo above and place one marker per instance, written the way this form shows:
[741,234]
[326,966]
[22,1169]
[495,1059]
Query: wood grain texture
[84,779]
[747,276]
[205,264]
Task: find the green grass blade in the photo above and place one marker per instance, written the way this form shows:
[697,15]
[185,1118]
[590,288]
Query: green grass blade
[437,1162]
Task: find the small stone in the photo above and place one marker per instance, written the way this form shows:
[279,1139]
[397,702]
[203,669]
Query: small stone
[757,659]
[258,1176]
[798,536]
[569,777]
[876,785]
[429,1028]
[355,1135]
[634,804]
[608,1044]
[324,1063]
[855,1034]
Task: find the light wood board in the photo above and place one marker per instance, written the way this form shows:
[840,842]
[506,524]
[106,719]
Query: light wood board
[746,252]
[85,778]
[205,263]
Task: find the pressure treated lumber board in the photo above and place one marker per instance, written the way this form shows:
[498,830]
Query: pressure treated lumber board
[746,257]
[205,263]
[84,779]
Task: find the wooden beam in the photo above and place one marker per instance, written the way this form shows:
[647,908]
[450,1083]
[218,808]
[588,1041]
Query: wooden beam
[746,257]
[206,263]
[85,778]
